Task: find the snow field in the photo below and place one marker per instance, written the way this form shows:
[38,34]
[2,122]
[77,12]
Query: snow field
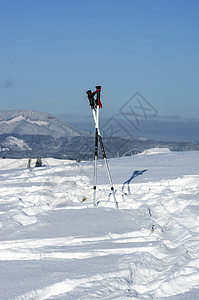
[55,245]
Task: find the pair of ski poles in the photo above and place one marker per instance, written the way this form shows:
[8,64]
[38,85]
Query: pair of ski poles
[95,105]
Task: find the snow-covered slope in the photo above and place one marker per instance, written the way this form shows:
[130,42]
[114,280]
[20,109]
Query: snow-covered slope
[55,245]
[36,123]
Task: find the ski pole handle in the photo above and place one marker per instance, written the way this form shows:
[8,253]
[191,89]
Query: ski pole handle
[91,99]
[94,102]
[98,90]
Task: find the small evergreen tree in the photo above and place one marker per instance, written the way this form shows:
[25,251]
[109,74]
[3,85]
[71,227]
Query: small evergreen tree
[38,162]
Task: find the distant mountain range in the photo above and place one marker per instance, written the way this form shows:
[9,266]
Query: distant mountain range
[39,134]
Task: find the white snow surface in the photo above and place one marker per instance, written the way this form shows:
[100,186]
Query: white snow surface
[54,244]
[21,118]
[13,120]
[19,143]
[155,151]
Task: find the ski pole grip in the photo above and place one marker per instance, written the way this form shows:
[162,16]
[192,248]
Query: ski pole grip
[91,98]
[98,90]
[89,93]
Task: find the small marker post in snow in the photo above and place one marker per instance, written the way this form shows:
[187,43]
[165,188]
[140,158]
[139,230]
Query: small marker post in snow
[95,105]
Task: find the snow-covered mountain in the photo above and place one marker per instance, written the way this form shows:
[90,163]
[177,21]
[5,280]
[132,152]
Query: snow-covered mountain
[36,123]
[24,133]
[54,244]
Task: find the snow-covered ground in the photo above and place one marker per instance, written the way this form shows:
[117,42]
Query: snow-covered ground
[55,245]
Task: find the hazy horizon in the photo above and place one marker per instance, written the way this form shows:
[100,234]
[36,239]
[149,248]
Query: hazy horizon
[161,128]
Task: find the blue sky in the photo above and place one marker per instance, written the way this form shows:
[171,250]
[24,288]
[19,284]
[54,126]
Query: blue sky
[52,51]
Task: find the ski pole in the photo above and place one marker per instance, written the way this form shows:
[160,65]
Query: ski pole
[96,104]
[92,104]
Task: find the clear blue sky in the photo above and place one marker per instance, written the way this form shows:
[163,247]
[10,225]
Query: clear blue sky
[52,51]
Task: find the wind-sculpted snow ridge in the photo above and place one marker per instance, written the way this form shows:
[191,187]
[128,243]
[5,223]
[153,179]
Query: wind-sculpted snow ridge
[55,245]
[155,151]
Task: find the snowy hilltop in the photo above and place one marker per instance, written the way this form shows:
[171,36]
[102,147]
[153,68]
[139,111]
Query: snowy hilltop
[23,122]
[55,245]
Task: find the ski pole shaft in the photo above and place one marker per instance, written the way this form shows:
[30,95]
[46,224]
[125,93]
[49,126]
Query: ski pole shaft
[107,169]
[96,157]
[95,167]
